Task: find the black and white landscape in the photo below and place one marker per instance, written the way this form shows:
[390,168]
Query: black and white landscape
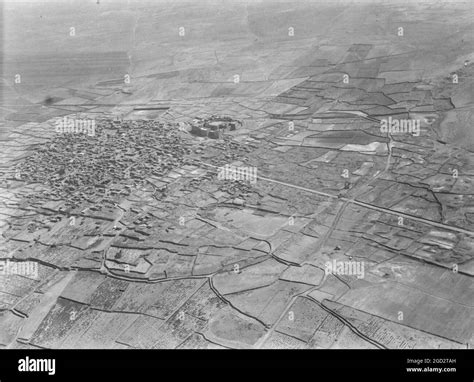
[237,174]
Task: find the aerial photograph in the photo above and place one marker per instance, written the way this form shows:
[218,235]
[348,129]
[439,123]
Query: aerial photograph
[237,174]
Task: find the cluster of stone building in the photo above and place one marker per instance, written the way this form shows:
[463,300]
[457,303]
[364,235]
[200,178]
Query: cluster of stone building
[120,156]
[214,126]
